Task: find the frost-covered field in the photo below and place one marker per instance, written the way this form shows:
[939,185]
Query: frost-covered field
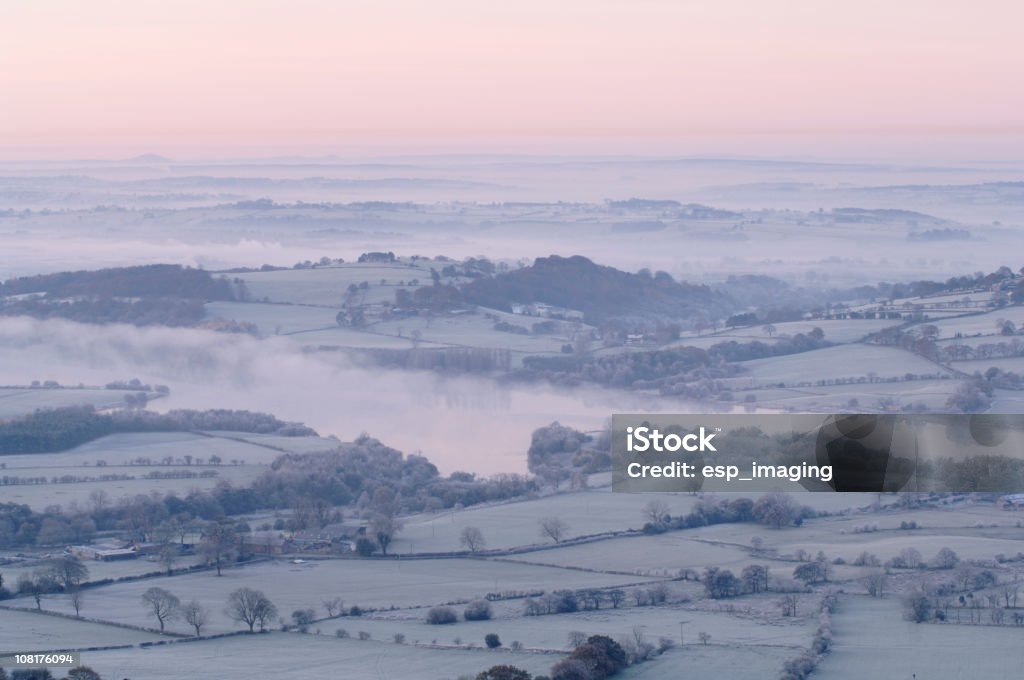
[889,544]
[736,662]
[98,569]
[123,449]
[139,454]
[327,286]
[586,513]
[274,445]
[873,641]
[367,583]
[740,627]
[275,319]
[516,524]
[292,656]
[25,631]
[843,398]
[836,330]
[980,324]
[662,554]
[40,496]
[476,330]
[847,361]
[1015,364]
[16,401]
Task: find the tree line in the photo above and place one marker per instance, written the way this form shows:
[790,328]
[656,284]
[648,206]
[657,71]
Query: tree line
[60,429]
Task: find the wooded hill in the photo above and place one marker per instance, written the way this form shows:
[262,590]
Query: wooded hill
[603,294]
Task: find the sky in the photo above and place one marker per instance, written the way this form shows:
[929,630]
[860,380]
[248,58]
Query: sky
[210,77]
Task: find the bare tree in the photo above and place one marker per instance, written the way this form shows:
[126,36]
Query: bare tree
[946,558]
[333,606]
[77,599]
[310,511]
[554,528]
[68,572]
[788,604]
[383,527]
[99,500]
[1010,591]
[911,558]
[472,539]
[769,329]
[196,615]
[776,510]
[303,619]
[704,637]
[755,578]
[218,543]
[875,583]
[162,605]
[168,557]
[656,511]
[38,583]
[250,607]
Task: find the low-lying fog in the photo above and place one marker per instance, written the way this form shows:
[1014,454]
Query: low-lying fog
[460,423]
[87,215]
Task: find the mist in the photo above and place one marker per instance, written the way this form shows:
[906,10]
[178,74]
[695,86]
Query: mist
[460,423]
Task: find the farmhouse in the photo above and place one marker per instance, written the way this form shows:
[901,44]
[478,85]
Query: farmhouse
[337,536]
[104,552]
[266,543]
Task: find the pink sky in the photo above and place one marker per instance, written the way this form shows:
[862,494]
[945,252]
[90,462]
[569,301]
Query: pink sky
[109,77]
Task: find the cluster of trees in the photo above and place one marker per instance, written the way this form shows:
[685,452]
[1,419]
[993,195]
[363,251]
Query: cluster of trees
[246,605]
[679,370]
[148,312]
[169,295]
[558,452]
[721,584]
[65,574]
[803,666]
[893,291]
[19,526]
[594,657]
[986,350]
[568,601]
[598,658]
[970,593]
[774,509]
[436,298]
[668,370]
[381,481]
[65,428]
[147,281]
[982,473]
[355,472]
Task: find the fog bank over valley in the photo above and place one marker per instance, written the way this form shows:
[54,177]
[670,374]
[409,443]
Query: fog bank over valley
[459,422]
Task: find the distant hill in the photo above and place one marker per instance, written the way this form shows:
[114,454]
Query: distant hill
[603,294]
[155,280]
[148,158]
[161,294]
